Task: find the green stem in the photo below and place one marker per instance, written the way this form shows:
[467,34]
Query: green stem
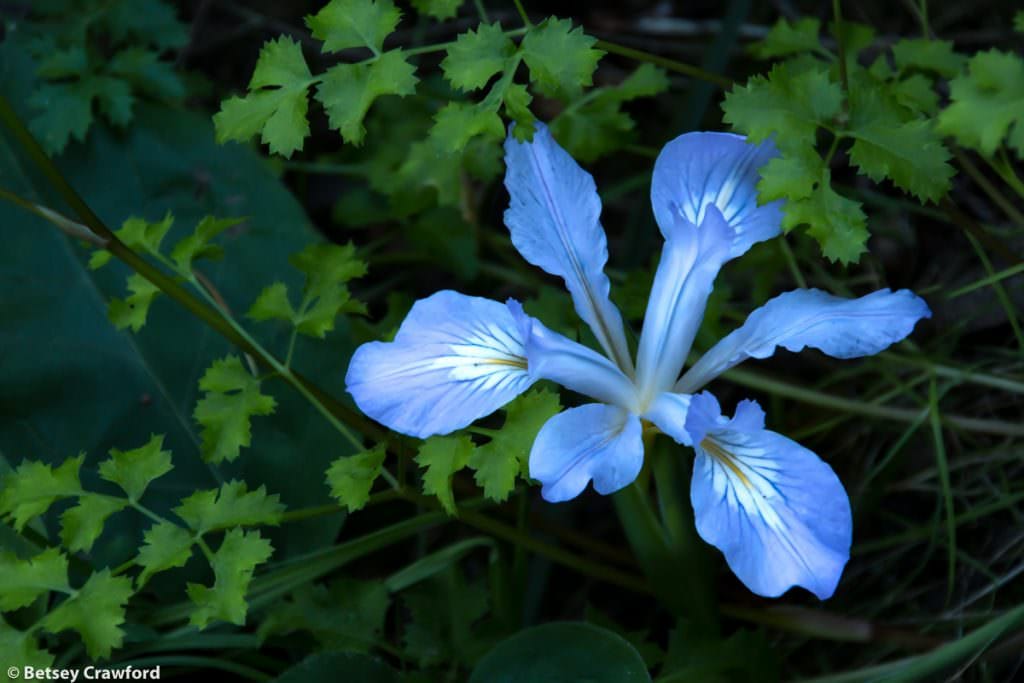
[209,315]
[664,62]
[522,13]
[840,44]
[773,386]
[988,188]
[928,666]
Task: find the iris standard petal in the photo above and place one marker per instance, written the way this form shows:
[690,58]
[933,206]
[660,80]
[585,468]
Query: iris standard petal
[455,358]
[690,261]
[554,219]
[698,170]
[777,512]
[592,442]
[553,356]
[843,328]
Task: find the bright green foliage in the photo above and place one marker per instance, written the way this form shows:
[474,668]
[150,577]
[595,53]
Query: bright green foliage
[132,311]
[233,566]
[276,104]
[458,122]
[351,477]
[26,580]
[910,153]
[785,39]
[347,615]
[517,107]
[443,456]
[477,56]
[232,398]
[504,457]
[93,56]
[439,9]
[794,176]
[165,546]
[348,90]
[595,125]
[838,223]
[96,611]
[561,59]
[789,103]
[197,245]
[345,24]
[82,524]
[325,295]
[33,487]
[139,235]
[924,54]
[230,506]
[134,470]
[987,103]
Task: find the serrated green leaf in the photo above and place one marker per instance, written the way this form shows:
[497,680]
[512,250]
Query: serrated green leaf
[345,24]
[917,93]
[233,566]
[230,506]
[505,456]
[197,245]
[987,103]
[837,223]
[64,113]
[96,611]
[33,487]
[787,38]
[165,546]
[477,56]
[272,304]
[82,525]
[134,470]
[789,103]
[854,37]
[138,234]
[232,398]
[351,477]
[459,122]
[276,104]
[438,9]
[910,153]
[937,56]
[63,63]
[793,176]
[562,60]
[647,81]
[349,615]
[517,107]
[147,73]
[325,296]
[26,580]
[132,311]
[443,456]
[348,90]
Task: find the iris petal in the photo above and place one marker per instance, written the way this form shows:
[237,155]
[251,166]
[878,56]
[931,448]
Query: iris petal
[554,220]
[592,442]
[690,261]
[699,170]
[843,328]
[455,358]
[777,512]
[555,357]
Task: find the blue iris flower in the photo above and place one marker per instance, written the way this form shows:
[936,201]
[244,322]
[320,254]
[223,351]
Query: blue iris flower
[778,513]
